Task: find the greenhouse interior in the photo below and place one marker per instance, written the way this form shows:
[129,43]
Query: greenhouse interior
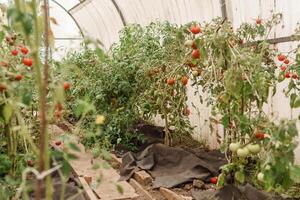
[149,99]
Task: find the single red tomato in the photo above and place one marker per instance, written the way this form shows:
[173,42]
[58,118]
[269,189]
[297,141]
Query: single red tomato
[214,180]
[27,61]
[196,53]
[184,80]
[30,163]
[19,77]
[186,111]
[58,106]
[14,52]
[67,86]
[287,75]
[171,81]
[195,29]
[258,21]
[295,76]
[283,67]
[58,114]
[194,45]
[260,135]
[281,57]
[24,50]
[286,61]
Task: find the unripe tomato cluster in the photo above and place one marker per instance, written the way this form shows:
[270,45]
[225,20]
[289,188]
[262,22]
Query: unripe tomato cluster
[242,151]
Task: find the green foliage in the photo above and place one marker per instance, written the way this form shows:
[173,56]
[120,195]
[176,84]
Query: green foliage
[120,84]
[278,168]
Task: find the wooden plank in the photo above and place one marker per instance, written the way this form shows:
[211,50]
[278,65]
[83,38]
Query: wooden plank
[138,187]
[140,176]
[88,192]
[170,195]
[106,189]
[83,166]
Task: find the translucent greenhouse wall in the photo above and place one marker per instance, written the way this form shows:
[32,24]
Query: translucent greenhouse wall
[103,19]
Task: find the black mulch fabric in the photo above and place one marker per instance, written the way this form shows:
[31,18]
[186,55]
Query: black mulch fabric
[171,166]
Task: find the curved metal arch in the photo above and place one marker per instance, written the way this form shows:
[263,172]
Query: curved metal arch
[77,24]
[119,12]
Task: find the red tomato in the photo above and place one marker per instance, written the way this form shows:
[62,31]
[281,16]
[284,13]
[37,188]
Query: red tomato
[194,45]
[260,135]
[59,106]
[287,75]
[14,52]
[184,80]
[27,61]
[57,114]
[186,111]
[30,163]
[258,21]
[19,77]
[196,53]
[283,67]
[281,57]
[286,61]
[24,50]
[195,29]
[295,76]
[67,86]
[214,180]
[171,81]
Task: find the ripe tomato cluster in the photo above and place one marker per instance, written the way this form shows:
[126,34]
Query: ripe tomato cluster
[284,67]
[14,56]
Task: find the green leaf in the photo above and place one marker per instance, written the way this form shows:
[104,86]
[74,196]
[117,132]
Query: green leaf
[74,147]
[295,174]
[221,180]
[26,98]
[296,102]
[120,189]
[239,177]
[292,99]
[2,35]
[6,112]
[225,121]
[105,154]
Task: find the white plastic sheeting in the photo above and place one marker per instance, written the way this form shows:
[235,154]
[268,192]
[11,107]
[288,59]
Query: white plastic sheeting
[100,20]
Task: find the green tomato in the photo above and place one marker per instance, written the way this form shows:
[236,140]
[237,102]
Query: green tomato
[233,147]
[253,148]
[267,167]
[188,43]
[242,152]
[195,73]
[260,176]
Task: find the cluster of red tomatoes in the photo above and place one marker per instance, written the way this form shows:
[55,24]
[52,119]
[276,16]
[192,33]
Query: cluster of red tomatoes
[285,61]
[27,61]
